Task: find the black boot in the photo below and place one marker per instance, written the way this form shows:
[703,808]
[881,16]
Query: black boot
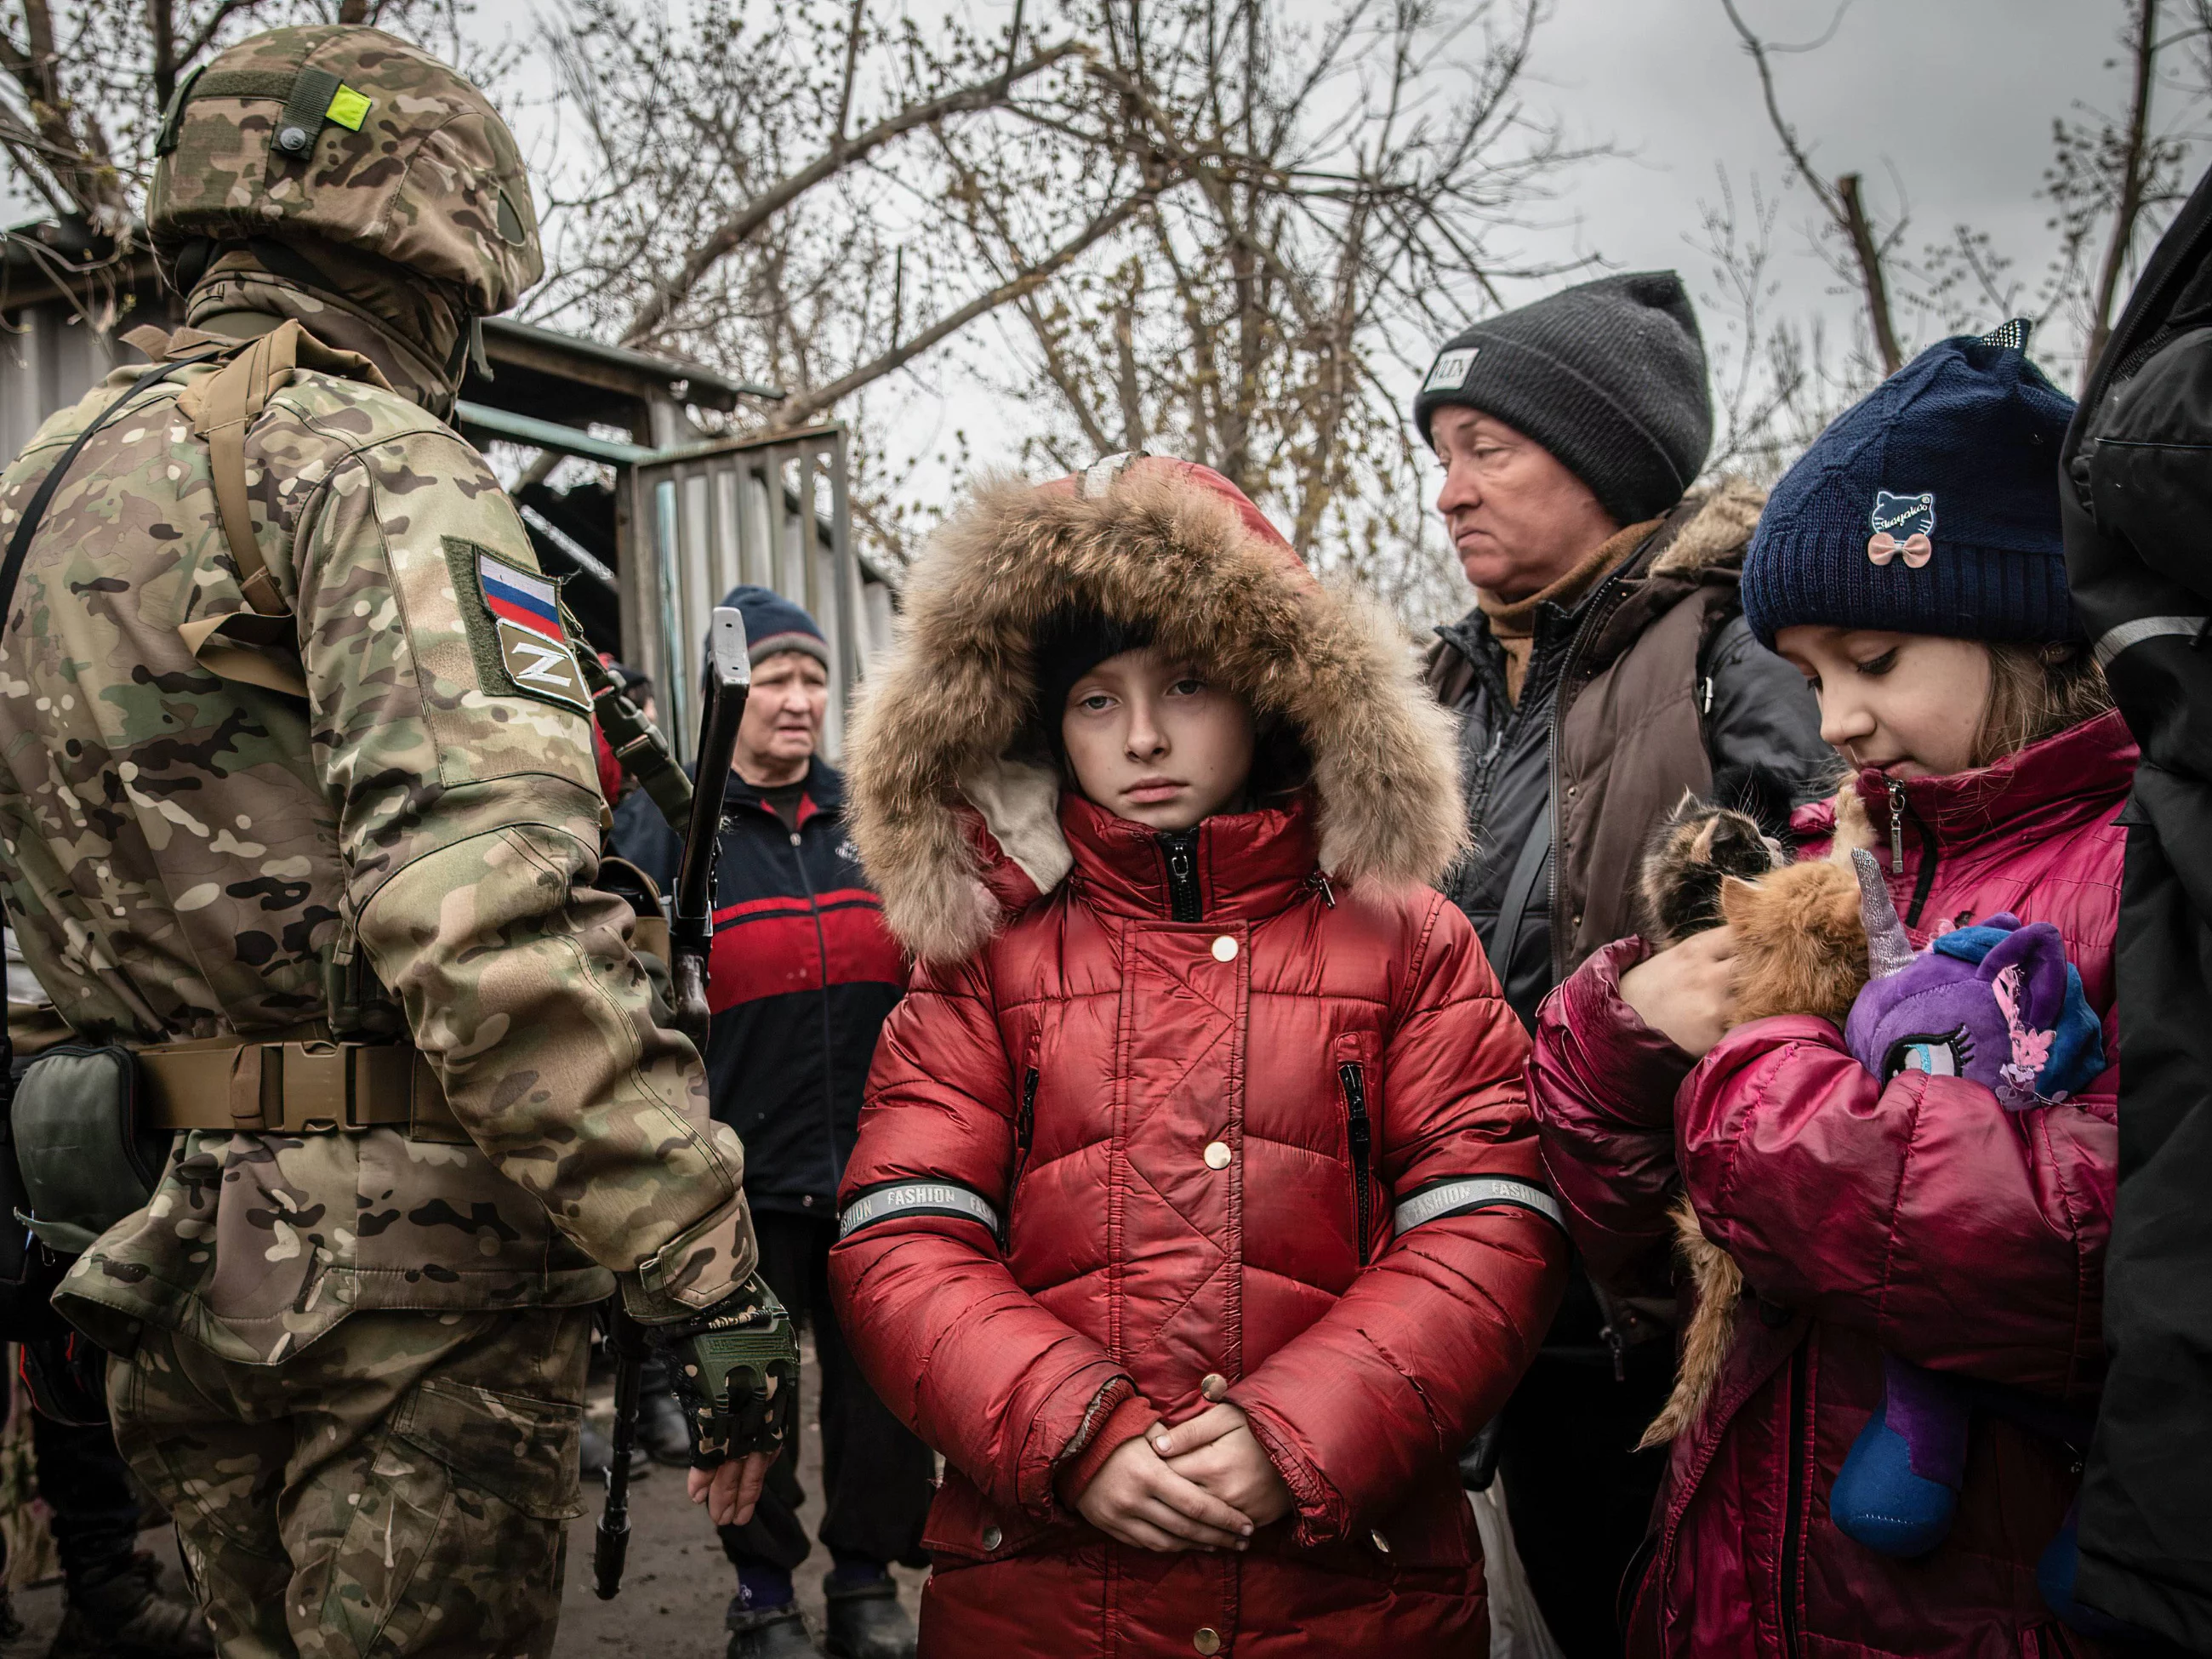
[771,1633]
[127,1614]
[867,1622]
[662,1428]
[598,1451]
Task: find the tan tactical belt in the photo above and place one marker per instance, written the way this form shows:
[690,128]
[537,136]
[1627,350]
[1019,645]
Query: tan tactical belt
[293,1088]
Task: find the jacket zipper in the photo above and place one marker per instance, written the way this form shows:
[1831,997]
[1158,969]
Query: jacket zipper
[1024,1136]
[829,1029]
[1899,807]
[1181,848]
[1786,1568]
[1356,1131]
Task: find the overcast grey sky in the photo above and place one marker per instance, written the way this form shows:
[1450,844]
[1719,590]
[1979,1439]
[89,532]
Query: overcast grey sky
[1956,96]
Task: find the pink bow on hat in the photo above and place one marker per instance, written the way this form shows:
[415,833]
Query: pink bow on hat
[1883,547]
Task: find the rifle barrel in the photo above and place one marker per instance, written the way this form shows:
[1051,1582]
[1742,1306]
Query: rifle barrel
[610,1544]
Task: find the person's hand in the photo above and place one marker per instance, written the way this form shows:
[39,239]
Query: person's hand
[1217,1450]
[1139,1500]
[1686,993]
[731,1488]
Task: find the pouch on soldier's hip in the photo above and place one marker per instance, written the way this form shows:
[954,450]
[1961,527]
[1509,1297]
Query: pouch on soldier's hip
[85,1160]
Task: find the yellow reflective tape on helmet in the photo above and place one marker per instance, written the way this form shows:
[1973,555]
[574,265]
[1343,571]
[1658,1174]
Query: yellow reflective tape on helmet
[348,108]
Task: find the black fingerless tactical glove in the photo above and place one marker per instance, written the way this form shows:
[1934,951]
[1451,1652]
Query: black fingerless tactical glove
[736,1369]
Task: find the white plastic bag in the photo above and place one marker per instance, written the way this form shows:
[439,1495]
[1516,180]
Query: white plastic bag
[1517,1630]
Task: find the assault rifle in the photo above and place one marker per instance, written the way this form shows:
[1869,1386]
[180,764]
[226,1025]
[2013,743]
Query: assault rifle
[692,938]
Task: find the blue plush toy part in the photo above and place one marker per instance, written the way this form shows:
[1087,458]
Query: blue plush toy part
[2054,1575]
[1899,1488]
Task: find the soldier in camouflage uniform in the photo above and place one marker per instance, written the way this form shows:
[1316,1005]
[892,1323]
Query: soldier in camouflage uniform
[351,798]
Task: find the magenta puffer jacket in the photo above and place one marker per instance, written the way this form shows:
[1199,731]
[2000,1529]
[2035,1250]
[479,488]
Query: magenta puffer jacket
[1920,1218]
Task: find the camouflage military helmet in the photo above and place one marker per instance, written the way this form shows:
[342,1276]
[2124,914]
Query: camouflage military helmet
[354,137]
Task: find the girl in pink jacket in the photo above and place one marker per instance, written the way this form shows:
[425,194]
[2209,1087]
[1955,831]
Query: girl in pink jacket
[1910,567]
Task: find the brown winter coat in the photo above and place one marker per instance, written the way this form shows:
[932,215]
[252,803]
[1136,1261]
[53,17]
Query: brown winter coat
[1638,694]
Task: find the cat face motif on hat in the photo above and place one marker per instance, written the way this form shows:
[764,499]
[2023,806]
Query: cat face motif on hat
[1902,524]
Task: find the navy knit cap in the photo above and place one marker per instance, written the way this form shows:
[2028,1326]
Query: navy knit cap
[1959,448]
[774,625]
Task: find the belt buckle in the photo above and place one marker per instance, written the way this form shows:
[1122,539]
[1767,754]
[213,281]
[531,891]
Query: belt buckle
[315,1096]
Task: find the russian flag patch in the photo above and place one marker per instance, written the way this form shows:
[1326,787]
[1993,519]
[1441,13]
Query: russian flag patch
[533,646]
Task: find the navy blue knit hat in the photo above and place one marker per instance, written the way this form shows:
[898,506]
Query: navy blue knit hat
[774,625]
[1931,508]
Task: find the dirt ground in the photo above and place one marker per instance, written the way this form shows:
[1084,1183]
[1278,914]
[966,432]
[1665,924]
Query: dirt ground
[674,1592]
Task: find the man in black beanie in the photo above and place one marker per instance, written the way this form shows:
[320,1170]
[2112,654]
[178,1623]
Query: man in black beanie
[1605,668]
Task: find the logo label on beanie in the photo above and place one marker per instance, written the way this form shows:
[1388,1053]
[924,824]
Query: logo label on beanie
[1450,374]
[1902,524]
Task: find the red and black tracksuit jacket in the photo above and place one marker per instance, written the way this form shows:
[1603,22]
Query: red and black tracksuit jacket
[802,977]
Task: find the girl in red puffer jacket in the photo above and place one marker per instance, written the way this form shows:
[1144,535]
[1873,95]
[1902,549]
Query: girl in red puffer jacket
[1196,1216]
[1910,567]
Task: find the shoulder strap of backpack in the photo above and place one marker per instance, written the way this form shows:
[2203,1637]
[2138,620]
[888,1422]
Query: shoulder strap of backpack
[221,410]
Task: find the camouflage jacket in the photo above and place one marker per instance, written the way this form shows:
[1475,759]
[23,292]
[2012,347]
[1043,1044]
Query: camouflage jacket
[187,856]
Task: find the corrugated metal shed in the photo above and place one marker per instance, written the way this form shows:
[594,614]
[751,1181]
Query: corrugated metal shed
[643,554]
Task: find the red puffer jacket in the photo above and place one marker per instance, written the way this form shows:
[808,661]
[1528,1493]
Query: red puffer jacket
[1198,1123]
[1921,1219]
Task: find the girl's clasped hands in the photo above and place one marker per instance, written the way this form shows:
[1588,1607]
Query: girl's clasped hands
[1205,1485]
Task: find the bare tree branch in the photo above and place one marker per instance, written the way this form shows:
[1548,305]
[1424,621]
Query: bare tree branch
[840,154]
[800,409]
[2133,171]
[1841,201]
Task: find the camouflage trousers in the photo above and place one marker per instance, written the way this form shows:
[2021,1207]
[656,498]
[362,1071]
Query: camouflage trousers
[401,1487]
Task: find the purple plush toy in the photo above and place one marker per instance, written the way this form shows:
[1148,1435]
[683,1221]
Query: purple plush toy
[1999,1005]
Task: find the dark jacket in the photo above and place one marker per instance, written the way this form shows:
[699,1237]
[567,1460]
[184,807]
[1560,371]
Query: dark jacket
[1641,691]
[1914,1218]
[802,976]
[2133,493]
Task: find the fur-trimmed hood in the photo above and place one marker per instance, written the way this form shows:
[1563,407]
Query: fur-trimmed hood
[954,821]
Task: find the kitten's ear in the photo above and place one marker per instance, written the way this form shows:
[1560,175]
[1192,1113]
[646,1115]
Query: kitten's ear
[1701,844]
[1739,898]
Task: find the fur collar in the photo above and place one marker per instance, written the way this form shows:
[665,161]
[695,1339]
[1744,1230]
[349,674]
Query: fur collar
[940,736]
[1716,535]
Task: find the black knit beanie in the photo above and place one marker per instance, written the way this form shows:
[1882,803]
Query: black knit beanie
[1069,644]
[1610,377]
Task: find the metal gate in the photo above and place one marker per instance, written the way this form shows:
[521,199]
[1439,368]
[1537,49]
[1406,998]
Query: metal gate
[769,511]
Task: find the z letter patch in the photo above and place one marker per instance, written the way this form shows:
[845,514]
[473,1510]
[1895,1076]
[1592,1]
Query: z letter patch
[532,648]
